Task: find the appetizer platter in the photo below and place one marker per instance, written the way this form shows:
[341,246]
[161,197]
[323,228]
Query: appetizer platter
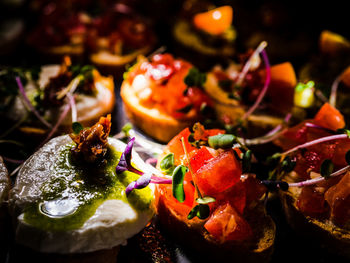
[177,131]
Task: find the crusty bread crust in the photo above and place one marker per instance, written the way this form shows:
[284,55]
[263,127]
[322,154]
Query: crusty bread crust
[330,236]
[194,237]
[153,122]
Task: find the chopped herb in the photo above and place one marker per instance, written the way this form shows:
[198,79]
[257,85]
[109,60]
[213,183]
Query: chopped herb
[326,168]
[77,127]
[167,164]
[178,178]
[195,78]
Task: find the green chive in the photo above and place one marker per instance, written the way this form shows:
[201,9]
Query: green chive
[178,178]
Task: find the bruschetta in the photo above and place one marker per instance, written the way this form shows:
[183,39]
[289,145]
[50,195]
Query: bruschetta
[163,95]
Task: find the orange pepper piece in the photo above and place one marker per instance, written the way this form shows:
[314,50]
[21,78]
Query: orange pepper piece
[215,21]
[329,117]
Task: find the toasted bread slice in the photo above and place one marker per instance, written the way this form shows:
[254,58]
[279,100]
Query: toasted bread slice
[196,239]
[330,236]
[150,120]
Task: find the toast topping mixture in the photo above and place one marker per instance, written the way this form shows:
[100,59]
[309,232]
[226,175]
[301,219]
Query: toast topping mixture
[172,86]
[213,188]
[318,150]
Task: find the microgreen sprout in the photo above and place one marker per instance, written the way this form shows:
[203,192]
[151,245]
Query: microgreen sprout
[195,78]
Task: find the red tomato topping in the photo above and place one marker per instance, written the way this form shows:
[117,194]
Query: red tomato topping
[169,93]
[219,174]
[226,224]
[329,117]
[200,158]
[338,198]
[175,145]
[311,202]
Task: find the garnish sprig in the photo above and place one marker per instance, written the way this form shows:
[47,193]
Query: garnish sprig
[202,210]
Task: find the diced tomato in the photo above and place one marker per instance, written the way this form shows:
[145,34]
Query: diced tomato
[311,202]
[254,188]
[342,147]
[175,145]
[166,59]
[338,198]
[312,159]
[226,224]
[235,195]
[219,174]
[198,97]
[165,192]
[200,158]
[329,117]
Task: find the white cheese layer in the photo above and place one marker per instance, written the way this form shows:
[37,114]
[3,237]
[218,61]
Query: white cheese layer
[112,224]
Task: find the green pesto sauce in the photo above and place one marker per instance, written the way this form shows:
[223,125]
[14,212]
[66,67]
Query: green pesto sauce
[86,188]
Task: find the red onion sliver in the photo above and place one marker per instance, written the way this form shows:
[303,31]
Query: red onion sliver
[73,107]
[319,179]
[266,85]
[29,104]
[324,139]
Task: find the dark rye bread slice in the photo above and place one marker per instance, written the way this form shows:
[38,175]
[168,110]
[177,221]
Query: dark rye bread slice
[330,236]
[194,237]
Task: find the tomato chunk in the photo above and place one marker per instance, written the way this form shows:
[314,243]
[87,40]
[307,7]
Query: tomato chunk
[329,117]
[219,174]
[200,158]
[311,202]
[175,145]
[226,224]
[338,198]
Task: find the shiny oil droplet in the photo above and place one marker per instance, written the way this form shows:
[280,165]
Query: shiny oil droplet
[59,208]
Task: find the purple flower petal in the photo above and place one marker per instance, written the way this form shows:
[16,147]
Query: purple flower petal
[125,160]
[140,183]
